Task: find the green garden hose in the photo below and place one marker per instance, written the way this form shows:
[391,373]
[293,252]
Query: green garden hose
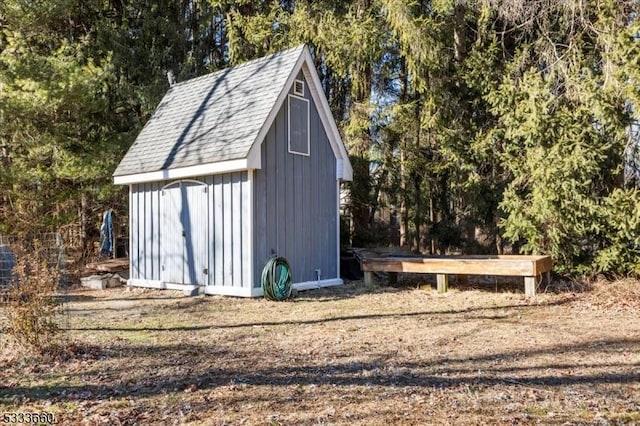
[276,279]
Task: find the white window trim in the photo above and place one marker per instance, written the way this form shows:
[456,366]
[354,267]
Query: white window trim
[295,84]
[308,153]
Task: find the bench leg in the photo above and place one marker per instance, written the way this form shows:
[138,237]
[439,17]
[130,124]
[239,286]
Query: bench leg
[530,286]
[393,278]
[546,277]
[369,279]
[443,283]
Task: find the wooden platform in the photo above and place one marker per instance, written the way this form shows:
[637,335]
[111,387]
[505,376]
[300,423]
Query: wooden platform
[531,268]
[110,265]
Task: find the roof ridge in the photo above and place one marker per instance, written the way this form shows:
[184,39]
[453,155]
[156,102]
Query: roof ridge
[239,66]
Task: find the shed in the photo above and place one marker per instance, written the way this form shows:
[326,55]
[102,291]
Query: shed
[233,168]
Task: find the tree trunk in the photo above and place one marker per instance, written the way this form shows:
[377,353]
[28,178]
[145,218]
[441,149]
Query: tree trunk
[459,29]
[84,221]
[404,214]
[417,194]
[404,210]
[432,218]
[417,207]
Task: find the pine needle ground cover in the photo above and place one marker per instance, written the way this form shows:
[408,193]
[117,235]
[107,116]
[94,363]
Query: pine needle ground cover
[347,355]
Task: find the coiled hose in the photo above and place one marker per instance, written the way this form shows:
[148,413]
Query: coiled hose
[276,279]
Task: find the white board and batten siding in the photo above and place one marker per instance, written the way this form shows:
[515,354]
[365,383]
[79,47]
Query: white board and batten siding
[192,233]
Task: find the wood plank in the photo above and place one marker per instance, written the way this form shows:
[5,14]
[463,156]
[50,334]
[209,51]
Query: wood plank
[530,286]
[469,265]
[543,264]
[369,279]
[110,265]
[505,257]
[443,283]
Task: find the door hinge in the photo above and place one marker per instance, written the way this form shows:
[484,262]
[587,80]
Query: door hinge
[205,271]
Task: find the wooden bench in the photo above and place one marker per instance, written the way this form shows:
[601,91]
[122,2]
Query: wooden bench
[529,267]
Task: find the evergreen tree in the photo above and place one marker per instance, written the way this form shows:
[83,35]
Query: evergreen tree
[472,124]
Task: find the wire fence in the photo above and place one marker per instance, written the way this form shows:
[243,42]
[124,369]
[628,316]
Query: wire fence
[72,235]
[51,246]
[31,250]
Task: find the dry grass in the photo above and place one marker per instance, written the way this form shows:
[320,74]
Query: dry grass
[346,355]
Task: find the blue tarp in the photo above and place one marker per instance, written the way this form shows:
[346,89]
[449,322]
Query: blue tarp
[106,233]
[7,262]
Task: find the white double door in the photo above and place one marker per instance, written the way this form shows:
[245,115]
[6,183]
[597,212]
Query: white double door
[184,233]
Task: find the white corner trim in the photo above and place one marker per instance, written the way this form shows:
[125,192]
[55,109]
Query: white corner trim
[183,172]
[250,230]
[338,227]
[130,253]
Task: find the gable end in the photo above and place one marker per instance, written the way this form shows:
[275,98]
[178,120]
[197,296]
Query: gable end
[344,170]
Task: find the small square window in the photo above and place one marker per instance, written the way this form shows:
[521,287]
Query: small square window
[298,87]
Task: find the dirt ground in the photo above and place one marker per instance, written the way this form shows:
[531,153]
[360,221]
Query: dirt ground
[344,355]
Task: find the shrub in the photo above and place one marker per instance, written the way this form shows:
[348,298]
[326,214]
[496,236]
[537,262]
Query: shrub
[31,304]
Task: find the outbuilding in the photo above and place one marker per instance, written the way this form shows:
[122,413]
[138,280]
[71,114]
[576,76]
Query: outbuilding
[233,168]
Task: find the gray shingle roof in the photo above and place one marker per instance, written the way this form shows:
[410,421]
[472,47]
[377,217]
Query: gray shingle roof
[212,118]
